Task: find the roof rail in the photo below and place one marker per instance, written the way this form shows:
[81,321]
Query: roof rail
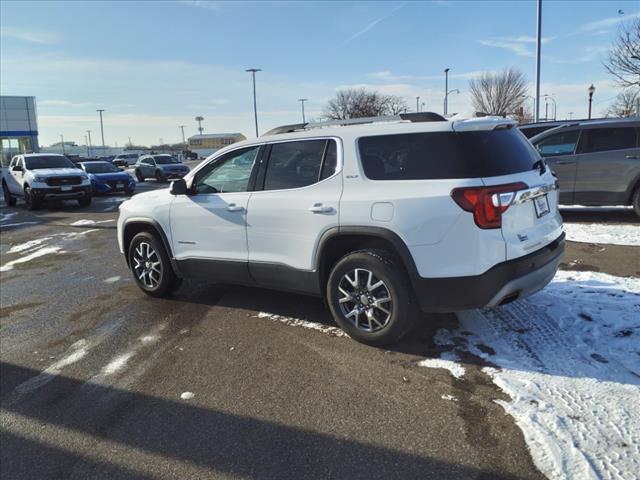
[403,117]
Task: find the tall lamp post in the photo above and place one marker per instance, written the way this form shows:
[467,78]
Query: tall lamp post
[418,104]
[255,107]
[447,96]
[181,127]
[555,105]
[302,100]
[89,135]
[446,90]
[591,91]
[101,127]
[199,119]
[536,110]
[62,143]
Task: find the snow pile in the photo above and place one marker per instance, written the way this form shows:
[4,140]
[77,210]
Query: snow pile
[296,322]
[613,234]
[454,368]
[27,258]
[569,358]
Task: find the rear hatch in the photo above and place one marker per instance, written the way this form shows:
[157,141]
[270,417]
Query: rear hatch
[519,183]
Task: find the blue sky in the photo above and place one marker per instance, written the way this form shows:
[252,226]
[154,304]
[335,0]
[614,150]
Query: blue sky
[156,65]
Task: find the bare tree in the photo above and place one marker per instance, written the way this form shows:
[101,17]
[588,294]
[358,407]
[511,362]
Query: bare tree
[501,93]
[359,102]
[623,61]
[627,103]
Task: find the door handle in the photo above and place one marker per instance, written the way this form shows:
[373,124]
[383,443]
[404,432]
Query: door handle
[319,208]
[232,207]
[634,157]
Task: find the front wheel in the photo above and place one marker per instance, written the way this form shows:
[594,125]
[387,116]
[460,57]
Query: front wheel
[370,297]
[85,201]
[8,198]
[30,200]
[150,266]
[159,177]
[139,176]
[635,201]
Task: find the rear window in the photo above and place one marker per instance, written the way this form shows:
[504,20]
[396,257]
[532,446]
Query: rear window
[438,155]
[605,139]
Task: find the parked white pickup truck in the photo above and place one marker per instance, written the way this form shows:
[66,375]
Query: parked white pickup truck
[44,176]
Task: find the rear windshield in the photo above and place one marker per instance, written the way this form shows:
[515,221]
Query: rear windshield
[438,155]
[45,161]
[165,159]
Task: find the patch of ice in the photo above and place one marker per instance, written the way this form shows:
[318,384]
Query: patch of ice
[80,223]
[117,363]
[454,368]
[449,397]
[5,225]
[112,279]
[568,358]
[6,216]
[612,234]
[27,258]
[21,247]
[296,322]
[187,395]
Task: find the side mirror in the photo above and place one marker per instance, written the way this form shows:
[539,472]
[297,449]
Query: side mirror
[178,187]
[17,168]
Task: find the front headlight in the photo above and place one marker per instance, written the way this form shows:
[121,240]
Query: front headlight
[39,179]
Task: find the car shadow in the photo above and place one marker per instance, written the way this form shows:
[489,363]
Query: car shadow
[599,215]
[161,430]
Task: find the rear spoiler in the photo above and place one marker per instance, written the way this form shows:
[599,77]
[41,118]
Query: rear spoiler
[485,123]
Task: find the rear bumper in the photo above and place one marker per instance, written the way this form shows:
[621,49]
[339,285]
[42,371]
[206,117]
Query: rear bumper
[501,284]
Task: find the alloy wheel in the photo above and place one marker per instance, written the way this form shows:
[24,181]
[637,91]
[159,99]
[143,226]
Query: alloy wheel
[365,300]
[147,265]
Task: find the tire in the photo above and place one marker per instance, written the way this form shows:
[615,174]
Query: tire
[156,282]
[139,176]
[375,326]
[85,201]
[159,177]
[128,191]
[31,202]
[8,198]
[635,201]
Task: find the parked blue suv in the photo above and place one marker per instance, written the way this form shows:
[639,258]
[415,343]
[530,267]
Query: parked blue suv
[161,167]
[107,178]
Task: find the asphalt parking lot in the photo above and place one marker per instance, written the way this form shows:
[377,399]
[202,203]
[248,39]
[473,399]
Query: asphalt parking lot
[100,381]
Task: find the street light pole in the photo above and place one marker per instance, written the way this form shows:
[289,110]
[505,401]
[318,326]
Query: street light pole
[181,127]
[89,135]
[101,127]
[538,52]
[555,105]
[447,97]
[62,143]
[302,100]
[446,90]
[591,91]
[255,107]
[418,104]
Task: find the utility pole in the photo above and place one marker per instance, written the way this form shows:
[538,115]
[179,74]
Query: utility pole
[101,126]
[255,108]
[418,104]
[199,119]
[536,113]
[446,90]
[591,91]
[89,135]
[181,127]
[302,100]
[86,142]
[62,143]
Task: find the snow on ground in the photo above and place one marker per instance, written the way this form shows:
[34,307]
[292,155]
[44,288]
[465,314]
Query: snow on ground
[613,234]
[569,359]
[296,322]
[582,208]
[85,222]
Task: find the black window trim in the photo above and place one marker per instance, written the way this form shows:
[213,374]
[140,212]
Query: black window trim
[259,187]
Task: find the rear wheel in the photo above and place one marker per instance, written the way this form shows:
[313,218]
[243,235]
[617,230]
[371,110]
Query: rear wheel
[635,201]
[8,198]
[30,200]
[159,176]
[85,201]
[139,176]
[370,297]
[150,265]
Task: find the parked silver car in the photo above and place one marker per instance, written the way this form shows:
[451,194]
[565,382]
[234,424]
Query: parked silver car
[161,167]
[597,162]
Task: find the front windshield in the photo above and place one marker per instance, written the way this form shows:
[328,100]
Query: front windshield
[47,161]
[165,159]
[99,167]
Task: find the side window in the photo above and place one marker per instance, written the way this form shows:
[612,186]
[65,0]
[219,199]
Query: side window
[229,173]
[294,164]
[330,160]
[563,143]
[606,139]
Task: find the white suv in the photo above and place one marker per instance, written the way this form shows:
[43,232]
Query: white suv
[381,218]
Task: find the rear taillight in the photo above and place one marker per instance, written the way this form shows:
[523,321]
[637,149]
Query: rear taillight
[487,203]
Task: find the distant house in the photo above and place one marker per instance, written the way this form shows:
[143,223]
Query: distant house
[205,145]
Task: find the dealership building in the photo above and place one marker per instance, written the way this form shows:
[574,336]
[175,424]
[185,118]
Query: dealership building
[205,145]
[18,126]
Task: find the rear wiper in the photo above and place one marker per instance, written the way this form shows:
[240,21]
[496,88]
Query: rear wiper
[540,165]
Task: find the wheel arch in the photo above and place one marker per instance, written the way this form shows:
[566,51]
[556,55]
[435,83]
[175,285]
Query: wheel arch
[338,241]
[135,225]
[633,186]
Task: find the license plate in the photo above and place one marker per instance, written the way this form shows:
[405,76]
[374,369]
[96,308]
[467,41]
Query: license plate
[66,188]
[542,205]
[120,185]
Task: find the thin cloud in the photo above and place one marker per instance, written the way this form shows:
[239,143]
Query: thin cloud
[517,48]
[31,36]
[61,103]
[372,24]
[525,39]
[606,22]
[387,76]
